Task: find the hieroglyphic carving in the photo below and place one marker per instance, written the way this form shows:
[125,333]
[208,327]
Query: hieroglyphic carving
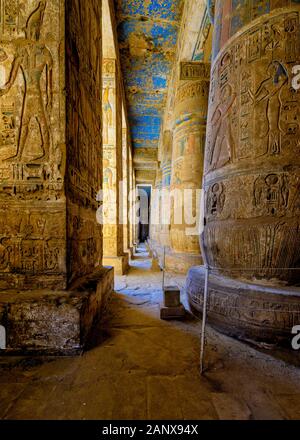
[84,135]
[187,157]
[194,70]
[192,90]
[32,146]
[252,150]
[32,59]
[113,233]
[215,199]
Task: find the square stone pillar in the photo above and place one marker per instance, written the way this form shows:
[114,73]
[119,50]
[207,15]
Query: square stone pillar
[53,286]
[112,169]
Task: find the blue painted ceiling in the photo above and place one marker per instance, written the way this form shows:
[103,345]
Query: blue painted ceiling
[147,33]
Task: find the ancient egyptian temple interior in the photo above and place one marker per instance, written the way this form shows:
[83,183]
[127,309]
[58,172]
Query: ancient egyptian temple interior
[150,209]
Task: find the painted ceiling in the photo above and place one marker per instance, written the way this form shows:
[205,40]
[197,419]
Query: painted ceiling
[147,33]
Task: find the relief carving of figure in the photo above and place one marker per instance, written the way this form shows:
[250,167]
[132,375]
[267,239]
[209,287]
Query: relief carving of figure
[269,94]
[222,141]
[33,58]
[107,113]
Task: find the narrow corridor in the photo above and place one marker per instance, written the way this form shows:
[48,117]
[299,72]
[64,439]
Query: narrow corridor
[148,369]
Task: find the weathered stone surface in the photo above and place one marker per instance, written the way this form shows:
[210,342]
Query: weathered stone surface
[53,322]
[120,264]
[84,135]
[42,132]
[32,146]
[251,175]
[247,311]
[171,296]
[252,152]
[188,152]
[148,369]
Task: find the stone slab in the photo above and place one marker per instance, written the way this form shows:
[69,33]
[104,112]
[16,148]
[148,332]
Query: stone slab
[55,322]
[168,313]
[171,296]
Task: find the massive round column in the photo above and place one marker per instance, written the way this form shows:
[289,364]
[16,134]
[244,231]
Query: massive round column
[252,171]
[187,165]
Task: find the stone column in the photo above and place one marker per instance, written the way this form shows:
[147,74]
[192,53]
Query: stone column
[190,116]
[131,195]
[166,167]
[113,253]
[252,175]
[126,186]
[155,224]
[50,148]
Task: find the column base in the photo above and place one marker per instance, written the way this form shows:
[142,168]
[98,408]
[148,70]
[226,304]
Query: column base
[131,253]
[181,262]
[45,322]
[175,262]
[246,311]
[120,264]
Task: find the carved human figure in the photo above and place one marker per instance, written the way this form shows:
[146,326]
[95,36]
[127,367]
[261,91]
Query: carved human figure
[32,59]
[269,92]
[108,113]
[222,143]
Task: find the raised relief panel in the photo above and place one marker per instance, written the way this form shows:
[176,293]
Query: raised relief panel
[31,156]
[215,200]
[194,70]
[253,150]
[32,151]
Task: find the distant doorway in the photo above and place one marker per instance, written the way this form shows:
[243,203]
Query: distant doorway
[144,197]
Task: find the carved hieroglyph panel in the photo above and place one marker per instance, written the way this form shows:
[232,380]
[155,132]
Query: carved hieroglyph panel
[252,161]
[31,116]
[32,144]
[84,134]
[113,241]
[187,158]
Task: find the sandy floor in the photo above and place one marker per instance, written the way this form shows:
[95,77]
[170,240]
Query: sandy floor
[143,368]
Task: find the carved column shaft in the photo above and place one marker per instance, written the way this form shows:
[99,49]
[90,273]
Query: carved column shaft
[156,209]
[188,149]
[252,159]
[166,167]
[112,158]
[125,162]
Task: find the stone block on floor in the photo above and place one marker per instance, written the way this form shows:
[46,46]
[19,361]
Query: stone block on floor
[168,313]
[55,322]
[171,296]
